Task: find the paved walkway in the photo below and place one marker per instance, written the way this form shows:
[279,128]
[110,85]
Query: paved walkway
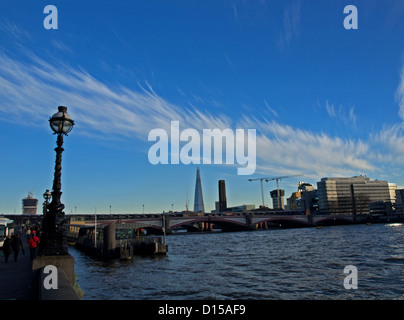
[16,277]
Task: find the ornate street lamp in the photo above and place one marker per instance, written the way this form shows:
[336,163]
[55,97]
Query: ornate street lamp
[47,196]
[53,237]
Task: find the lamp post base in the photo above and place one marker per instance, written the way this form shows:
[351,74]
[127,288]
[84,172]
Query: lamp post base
[65,262]
[53,244]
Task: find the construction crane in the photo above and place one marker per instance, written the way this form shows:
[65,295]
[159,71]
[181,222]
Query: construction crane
[262,188]
[277,184]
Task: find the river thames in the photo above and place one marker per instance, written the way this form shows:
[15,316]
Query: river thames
[287,264]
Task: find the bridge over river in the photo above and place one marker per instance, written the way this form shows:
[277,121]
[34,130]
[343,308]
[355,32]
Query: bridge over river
[173,222]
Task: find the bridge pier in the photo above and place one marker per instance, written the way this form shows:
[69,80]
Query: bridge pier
[109,245]
[310,221]
[249,222]
[261,225]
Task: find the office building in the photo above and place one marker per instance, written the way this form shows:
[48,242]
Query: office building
[294,201]
[399,205]
[309,202]
[350,195]
[392,191]
[277,199]
[380,208]
[305,199]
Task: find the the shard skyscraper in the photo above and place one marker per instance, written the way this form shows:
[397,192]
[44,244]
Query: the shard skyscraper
[198,203]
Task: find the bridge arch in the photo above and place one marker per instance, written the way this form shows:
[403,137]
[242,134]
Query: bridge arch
[282,221]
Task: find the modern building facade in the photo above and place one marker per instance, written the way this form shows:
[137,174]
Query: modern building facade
[277,199]
[350,195]
[305,199]
[392,190]
[399,205]
[198,202]
[294,201]
[309,201]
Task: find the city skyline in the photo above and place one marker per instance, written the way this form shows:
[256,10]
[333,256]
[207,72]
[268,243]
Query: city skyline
[324,101]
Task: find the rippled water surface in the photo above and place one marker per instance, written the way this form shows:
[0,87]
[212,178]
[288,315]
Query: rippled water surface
[272,264]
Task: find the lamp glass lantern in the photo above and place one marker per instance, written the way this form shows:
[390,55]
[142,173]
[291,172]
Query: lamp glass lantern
[61,122]
[47,195]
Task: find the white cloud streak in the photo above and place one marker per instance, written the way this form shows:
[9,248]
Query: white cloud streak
[14,31]
[390,139]
[291,25]
[32,90]
[35,89]
[400,95]
[282,148]
[270,109]
[340,114]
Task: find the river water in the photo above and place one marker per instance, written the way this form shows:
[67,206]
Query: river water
[287,264]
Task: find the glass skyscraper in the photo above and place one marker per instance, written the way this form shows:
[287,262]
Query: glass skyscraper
[198,203]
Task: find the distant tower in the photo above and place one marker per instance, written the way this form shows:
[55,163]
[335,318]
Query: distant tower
[277,198]
[29,204]
[198,203]
[222,196]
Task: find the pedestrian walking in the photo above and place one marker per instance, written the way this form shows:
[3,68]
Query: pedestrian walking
[16,244]
[33,245]
[28,232]
[7,248]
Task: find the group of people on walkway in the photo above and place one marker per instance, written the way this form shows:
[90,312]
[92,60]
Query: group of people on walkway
[14,243]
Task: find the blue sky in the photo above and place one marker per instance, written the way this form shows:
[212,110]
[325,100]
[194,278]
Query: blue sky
[325,101]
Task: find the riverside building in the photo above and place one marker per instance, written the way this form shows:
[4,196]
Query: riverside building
[399,204]
[277,199]
[29,204]
[351,195]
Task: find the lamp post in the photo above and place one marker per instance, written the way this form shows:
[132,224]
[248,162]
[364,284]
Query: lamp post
[53,238]
[47,196]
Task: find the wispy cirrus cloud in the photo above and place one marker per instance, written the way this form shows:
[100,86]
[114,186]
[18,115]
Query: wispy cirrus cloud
[341,114]
[61,46]
[270,109]
[390,139]
[291,150]
[34,88]
[30,90]
[400,95]
[13,30]
[291,25]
